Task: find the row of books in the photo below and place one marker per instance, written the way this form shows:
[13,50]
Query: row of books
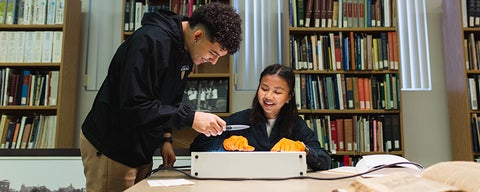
[31,46]
[134,9]
[352,51]
[475,127]
[471,13]
[471,45]
[340,92]
[28,12]
[27,132]
[343,13]
[26,88]
[345,161]
[368,133]
[474,91]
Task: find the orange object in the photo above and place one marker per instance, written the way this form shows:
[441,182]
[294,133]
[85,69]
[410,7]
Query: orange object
[237,143]
[288,145]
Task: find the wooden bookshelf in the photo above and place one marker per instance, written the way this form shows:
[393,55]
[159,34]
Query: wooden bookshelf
[315,113]
[64,110]
[455,31]
[222,70]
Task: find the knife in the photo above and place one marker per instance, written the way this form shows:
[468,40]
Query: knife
[236,127]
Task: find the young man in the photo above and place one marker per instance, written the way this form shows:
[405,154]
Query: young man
[139,103]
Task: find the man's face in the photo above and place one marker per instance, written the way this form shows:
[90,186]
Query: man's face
[206,52]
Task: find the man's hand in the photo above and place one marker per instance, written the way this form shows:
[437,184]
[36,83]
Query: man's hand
[209,124]
[168,155]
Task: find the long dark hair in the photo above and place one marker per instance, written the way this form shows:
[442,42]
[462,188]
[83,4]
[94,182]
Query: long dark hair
[288,114]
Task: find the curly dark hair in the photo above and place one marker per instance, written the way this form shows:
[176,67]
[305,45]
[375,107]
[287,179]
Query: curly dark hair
[222,24]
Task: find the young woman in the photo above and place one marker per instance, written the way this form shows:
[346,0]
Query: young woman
[273,116]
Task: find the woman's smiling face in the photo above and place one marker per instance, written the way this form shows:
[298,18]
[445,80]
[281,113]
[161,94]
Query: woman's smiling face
[273,92]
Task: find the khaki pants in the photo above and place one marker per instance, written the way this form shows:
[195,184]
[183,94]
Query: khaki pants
[106,175]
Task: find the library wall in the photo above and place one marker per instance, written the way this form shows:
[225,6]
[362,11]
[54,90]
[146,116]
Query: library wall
[426,129]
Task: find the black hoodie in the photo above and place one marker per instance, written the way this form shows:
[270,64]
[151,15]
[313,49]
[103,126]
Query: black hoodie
[140,98]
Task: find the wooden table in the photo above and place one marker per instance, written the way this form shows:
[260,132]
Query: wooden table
[291,185]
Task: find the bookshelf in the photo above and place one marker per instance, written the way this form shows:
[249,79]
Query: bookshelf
[63,58]
[462,78]
[220,75]
[347,71]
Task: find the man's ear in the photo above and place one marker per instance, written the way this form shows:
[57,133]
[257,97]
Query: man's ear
[197,35]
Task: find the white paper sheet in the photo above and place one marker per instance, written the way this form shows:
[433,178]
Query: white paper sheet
[168,182]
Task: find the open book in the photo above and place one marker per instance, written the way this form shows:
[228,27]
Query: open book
[441,177]
[370,162]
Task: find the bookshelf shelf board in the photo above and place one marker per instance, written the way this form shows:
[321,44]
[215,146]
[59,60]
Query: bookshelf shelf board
[336,29]
[355,153]
[56,27]
[473,72]
[471,29]
[29,64]
[348,111]
[40,152]
[369,72]
[19,107]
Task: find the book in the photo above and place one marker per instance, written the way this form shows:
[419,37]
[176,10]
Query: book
[298,95]
[34,133]
[3,41]
[57,46]
[13,140]
[316,13]
[59,11]
[54,75]
[138,15]
[27,132]
[21,130]
[9,136]
[308,12]
[348,131]
[27,12]
[340,134]
[7,130]
[51,11]
[11,43]
[126,13]
[441,177]
[3,11]
[10,12]
[3,128]
[37,46]
[20,10]
[47,47]
[24,87]
[349,87]
[300,13]
[20,46]
[39,12]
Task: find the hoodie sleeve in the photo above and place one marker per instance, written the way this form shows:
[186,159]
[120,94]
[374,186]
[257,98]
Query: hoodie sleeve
[318,159]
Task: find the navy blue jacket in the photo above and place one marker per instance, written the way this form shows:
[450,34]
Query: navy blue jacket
[318,159]
[140,98]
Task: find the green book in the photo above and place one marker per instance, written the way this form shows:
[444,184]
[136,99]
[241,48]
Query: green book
[3,10]
[301,13]
[10,12]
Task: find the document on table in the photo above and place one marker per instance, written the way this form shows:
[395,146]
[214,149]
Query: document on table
[168,182]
